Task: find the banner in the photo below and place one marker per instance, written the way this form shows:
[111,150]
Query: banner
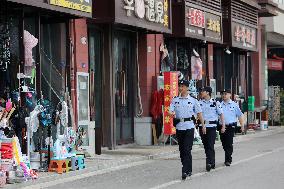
[170,91]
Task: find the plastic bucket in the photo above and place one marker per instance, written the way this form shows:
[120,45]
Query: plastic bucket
[263,125]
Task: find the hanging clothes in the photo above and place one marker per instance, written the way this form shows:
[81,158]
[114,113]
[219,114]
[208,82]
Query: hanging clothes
[157,104]
[166,65]
[29,43]
[196,68]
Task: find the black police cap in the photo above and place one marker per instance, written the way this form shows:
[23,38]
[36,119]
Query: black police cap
[207,89]
[226,91]
[184,82]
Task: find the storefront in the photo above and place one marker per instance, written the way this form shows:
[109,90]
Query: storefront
[232,61]
[118,44]
[197,25]
[34,70]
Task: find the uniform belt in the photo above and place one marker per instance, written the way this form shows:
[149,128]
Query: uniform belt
[210,122]
[176,120]
[183,119]
[231,124]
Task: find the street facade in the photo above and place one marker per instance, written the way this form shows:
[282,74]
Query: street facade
[83,80]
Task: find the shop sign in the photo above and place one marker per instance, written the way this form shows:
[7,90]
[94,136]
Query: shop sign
[80,5]
[203,25]
[149,14]
[196,18]
[170,91]
[155,11]
[244,36]
[275,64]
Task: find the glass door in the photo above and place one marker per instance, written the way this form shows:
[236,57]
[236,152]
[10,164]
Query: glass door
[124,65]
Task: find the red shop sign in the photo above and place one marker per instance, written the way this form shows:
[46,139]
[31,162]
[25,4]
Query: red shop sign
[196,18]
[275,64]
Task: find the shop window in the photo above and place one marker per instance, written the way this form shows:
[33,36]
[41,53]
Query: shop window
[9,53]
[53,61]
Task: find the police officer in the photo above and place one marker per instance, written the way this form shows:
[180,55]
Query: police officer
[211,110]
[182,109]
[231,113]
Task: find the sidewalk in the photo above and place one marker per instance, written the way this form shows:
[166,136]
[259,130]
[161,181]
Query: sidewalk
[110,159]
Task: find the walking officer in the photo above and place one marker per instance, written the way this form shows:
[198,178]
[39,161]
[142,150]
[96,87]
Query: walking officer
[182,109]
[231,113]
[211,110]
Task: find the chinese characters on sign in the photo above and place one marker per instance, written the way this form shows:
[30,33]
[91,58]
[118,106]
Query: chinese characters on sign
[170,90]
[214,25]
[196,18]
[155,11]
[202,24]
[81,5]
[245,35]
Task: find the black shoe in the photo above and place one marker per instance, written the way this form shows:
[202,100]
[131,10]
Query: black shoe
[227,163]
[208,167]
[183,176]
[213,166]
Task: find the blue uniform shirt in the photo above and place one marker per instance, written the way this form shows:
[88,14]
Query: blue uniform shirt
[185,107]
[231,112]
[211,110]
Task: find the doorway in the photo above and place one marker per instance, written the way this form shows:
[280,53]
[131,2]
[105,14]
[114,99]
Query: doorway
[124,69]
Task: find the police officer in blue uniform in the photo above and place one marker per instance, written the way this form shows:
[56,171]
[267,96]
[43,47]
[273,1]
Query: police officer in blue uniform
[231,113]
[182,109]
[211,110]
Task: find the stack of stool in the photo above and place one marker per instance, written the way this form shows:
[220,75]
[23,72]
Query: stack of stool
[81,162]
[58,165]
[74,163]
[68,164]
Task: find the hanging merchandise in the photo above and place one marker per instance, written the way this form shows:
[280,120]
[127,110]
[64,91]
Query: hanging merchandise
[65,144]
[46,115]
[166,65]
[192,88]
[196,66]
[16,150]
[29,42]
[6,151]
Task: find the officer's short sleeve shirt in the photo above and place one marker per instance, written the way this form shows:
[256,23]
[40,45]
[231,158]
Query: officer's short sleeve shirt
[231,112]
[211,110]
[185,107]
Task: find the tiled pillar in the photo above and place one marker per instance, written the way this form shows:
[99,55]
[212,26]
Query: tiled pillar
[149,67]
[79,59]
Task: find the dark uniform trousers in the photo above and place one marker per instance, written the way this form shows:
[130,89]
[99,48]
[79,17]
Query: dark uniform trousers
[208,141]
[185,141]
[227,142]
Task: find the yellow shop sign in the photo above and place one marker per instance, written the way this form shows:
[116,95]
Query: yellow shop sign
[80,5]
